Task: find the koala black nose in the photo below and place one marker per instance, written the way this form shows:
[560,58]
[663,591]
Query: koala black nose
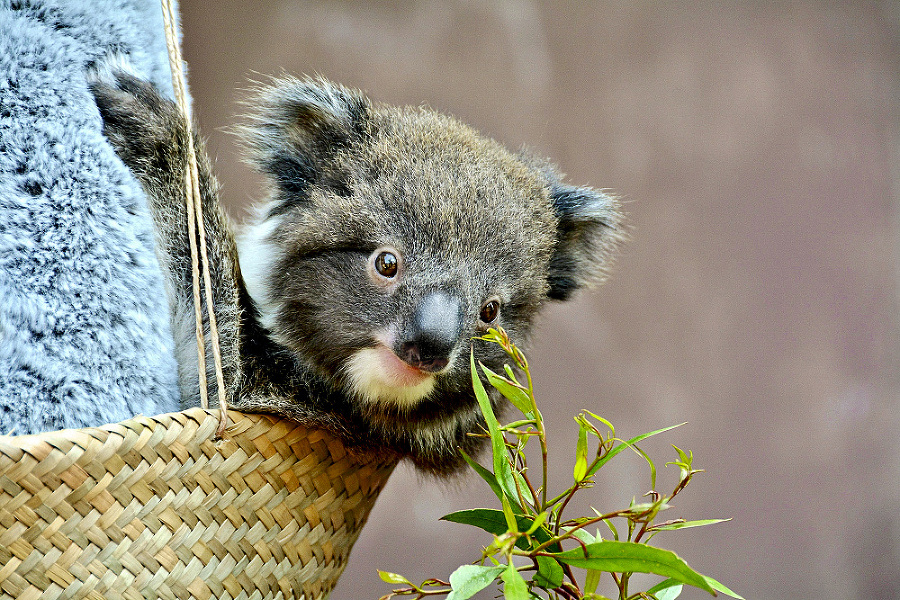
[433,332]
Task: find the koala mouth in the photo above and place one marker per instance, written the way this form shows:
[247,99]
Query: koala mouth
[379,376]
[399,372]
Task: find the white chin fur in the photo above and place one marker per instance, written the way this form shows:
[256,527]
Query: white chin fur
[374,378]
[257,255]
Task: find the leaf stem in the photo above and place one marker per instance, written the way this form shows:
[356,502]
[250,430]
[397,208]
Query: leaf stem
[559,519]
[539,424]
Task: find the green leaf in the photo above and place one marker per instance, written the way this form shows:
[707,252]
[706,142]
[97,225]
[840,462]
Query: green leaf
[689,524]
[520,423]
[686,457]
[612,453]
[493,335]
[721,588]
[584,536]
[483,473]
[549,574]
[389,577]
[648,508]
[538,521]
[612,528]
[581,452]
[592,580]
[493,521]
[652,466]
[522,490]
[514,587]
[684,462]
[612,430]
[511,525]
[489,519]
[502,468]
[663,585]
[668,583]
[510,373]
[628,557]
[670,593]
[519,397]
[468,580]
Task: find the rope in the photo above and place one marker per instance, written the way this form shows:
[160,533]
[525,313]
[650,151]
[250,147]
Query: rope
[195,224]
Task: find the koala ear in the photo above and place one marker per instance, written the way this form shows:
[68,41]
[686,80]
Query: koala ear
[295,128]
[586,235]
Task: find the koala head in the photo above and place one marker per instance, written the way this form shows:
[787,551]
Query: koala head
[391,237]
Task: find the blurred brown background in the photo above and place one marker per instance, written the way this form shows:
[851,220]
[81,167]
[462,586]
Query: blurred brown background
[756,144]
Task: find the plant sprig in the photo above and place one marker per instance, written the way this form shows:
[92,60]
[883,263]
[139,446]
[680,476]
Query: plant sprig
[564,561]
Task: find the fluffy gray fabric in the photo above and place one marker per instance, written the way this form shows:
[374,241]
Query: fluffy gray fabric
[84,328]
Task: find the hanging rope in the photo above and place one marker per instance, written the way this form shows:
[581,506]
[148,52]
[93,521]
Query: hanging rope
[195,229]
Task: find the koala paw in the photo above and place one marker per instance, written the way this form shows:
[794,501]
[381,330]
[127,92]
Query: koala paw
[143,127]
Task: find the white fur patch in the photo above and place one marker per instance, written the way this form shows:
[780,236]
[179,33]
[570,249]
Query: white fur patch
[105,69]
[375,379]
[257,255]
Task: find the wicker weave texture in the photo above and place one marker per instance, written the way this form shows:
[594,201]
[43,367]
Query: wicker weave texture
[154,508]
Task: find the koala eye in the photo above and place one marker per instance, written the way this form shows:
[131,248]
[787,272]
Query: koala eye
[490,311]
[384,267]
[386,264]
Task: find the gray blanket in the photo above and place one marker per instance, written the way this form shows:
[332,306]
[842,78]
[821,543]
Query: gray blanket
[84,329]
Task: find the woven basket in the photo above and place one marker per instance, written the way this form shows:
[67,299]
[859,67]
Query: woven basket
[154,508]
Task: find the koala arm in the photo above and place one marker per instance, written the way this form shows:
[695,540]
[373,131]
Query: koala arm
[150,136]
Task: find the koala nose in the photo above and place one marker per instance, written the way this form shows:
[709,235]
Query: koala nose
[433,332]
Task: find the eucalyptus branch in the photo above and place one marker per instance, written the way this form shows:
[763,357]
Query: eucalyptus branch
[534,493]
[565,503]
[536,527]
[542,433]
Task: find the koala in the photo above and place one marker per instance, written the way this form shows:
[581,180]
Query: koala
[388,239]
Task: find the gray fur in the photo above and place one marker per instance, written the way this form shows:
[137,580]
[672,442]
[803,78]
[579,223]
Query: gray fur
[318,327]
[84,336]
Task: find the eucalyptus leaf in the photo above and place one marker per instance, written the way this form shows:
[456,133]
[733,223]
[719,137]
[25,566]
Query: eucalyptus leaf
[502,468]
[652,466]
[494,521]
[583,536]
[612,430]
[616,450]
[612,528]
[629,557]
[592,580]
[514,587]
[512,525]
[468,580]
[684,462]
[686,457]
[538,521]
[689,524]
[549,574]
[389,577]
[519,397]
[489,519]
[721,588]
[663,585]
[484,474]
[510,373]
[522,488]
[581,448]
[520,423]
[670,593]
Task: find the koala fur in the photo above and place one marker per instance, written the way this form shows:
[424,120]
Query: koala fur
[389,237]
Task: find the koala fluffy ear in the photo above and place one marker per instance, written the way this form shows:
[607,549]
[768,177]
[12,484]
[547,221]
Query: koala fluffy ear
[295,128]
[586,235]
